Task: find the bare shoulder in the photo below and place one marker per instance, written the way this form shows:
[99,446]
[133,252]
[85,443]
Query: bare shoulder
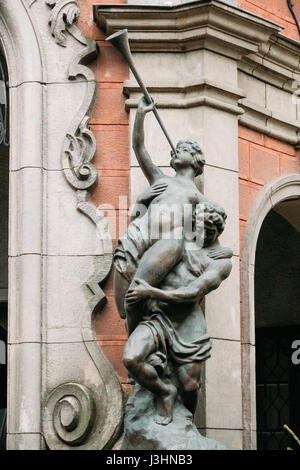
[221,266]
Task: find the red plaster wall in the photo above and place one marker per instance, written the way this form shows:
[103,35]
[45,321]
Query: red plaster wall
[110,125]
[261,159]
[276,11]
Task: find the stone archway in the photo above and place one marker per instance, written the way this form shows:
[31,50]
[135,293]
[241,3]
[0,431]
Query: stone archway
[280,189]
[277,326]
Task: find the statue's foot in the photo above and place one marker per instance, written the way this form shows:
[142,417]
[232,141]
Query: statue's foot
[165,405]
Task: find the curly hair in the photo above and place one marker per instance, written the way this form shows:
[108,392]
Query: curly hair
[214,214]
[197,153]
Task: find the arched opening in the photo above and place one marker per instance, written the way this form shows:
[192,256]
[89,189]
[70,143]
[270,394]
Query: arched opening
[277,326]
[4,200]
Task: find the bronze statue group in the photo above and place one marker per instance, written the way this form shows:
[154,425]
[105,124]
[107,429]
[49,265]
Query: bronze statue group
[165,264]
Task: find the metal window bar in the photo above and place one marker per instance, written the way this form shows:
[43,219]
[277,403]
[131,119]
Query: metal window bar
[277,385]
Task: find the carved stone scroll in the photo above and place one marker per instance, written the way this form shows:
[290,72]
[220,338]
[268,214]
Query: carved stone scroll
[75,415]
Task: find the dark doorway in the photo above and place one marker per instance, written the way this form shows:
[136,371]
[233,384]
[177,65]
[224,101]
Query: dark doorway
[277,321]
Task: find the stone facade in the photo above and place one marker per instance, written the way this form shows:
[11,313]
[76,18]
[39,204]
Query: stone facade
[224,73]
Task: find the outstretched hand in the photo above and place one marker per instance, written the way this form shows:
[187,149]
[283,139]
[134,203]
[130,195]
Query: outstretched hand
[144,106]
[140,292]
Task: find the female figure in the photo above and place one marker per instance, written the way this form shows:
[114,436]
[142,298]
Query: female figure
[154,242]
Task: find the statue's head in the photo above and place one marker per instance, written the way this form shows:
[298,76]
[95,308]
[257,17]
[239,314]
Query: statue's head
[214,222]
[188,153]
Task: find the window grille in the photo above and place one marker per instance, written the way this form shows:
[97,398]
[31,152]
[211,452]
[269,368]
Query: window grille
[277,387]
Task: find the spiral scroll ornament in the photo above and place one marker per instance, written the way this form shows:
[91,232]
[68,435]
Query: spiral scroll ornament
[71,411]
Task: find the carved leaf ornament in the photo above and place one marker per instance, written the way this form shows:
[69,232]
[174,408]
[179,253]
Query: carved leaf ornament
[63,15]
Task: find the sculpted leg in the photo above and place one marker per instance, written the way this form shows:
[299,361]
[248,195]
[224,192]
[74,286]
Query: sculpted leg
[159,260]
[189,378]
[139,346]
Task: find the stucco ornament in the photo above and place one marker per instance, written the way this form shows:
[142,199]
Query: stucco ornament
[74,414]
[64,14]
[79,146]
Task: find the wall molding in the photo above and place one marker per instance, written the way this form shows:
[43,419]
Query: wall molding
[272,124]
[187,27]
[209,93]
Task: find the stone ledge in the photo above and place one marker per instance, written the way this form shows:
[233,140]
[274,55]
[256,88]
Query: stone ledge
[187,103]
[277,63]
[175,94]
[191,26]
[270,123]
[184,86]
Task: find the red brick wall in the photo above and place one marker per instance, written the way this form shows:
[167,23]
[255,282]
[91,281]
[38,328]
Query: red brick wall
[261,159]
[110,125]
[276,11]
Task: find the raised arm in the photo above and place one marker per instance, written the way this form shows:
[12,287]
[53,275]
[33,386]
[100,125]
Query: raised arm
[151,171]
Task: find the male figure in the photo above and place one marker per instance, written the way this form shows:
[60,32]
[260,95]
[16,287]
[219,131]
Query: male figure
[172,327]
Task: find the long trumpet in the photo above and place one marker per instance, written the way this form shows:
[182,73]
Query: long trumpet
[120,41]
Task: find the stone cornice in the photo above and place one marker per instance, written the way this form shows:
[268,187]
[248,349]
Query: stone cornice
[184,86]
[180,94]
[208,24]
[278,65]
[191,26]
[267,122]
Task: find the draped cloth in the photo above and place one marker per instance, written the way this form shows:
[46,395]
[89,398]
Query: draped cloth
[169,344]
